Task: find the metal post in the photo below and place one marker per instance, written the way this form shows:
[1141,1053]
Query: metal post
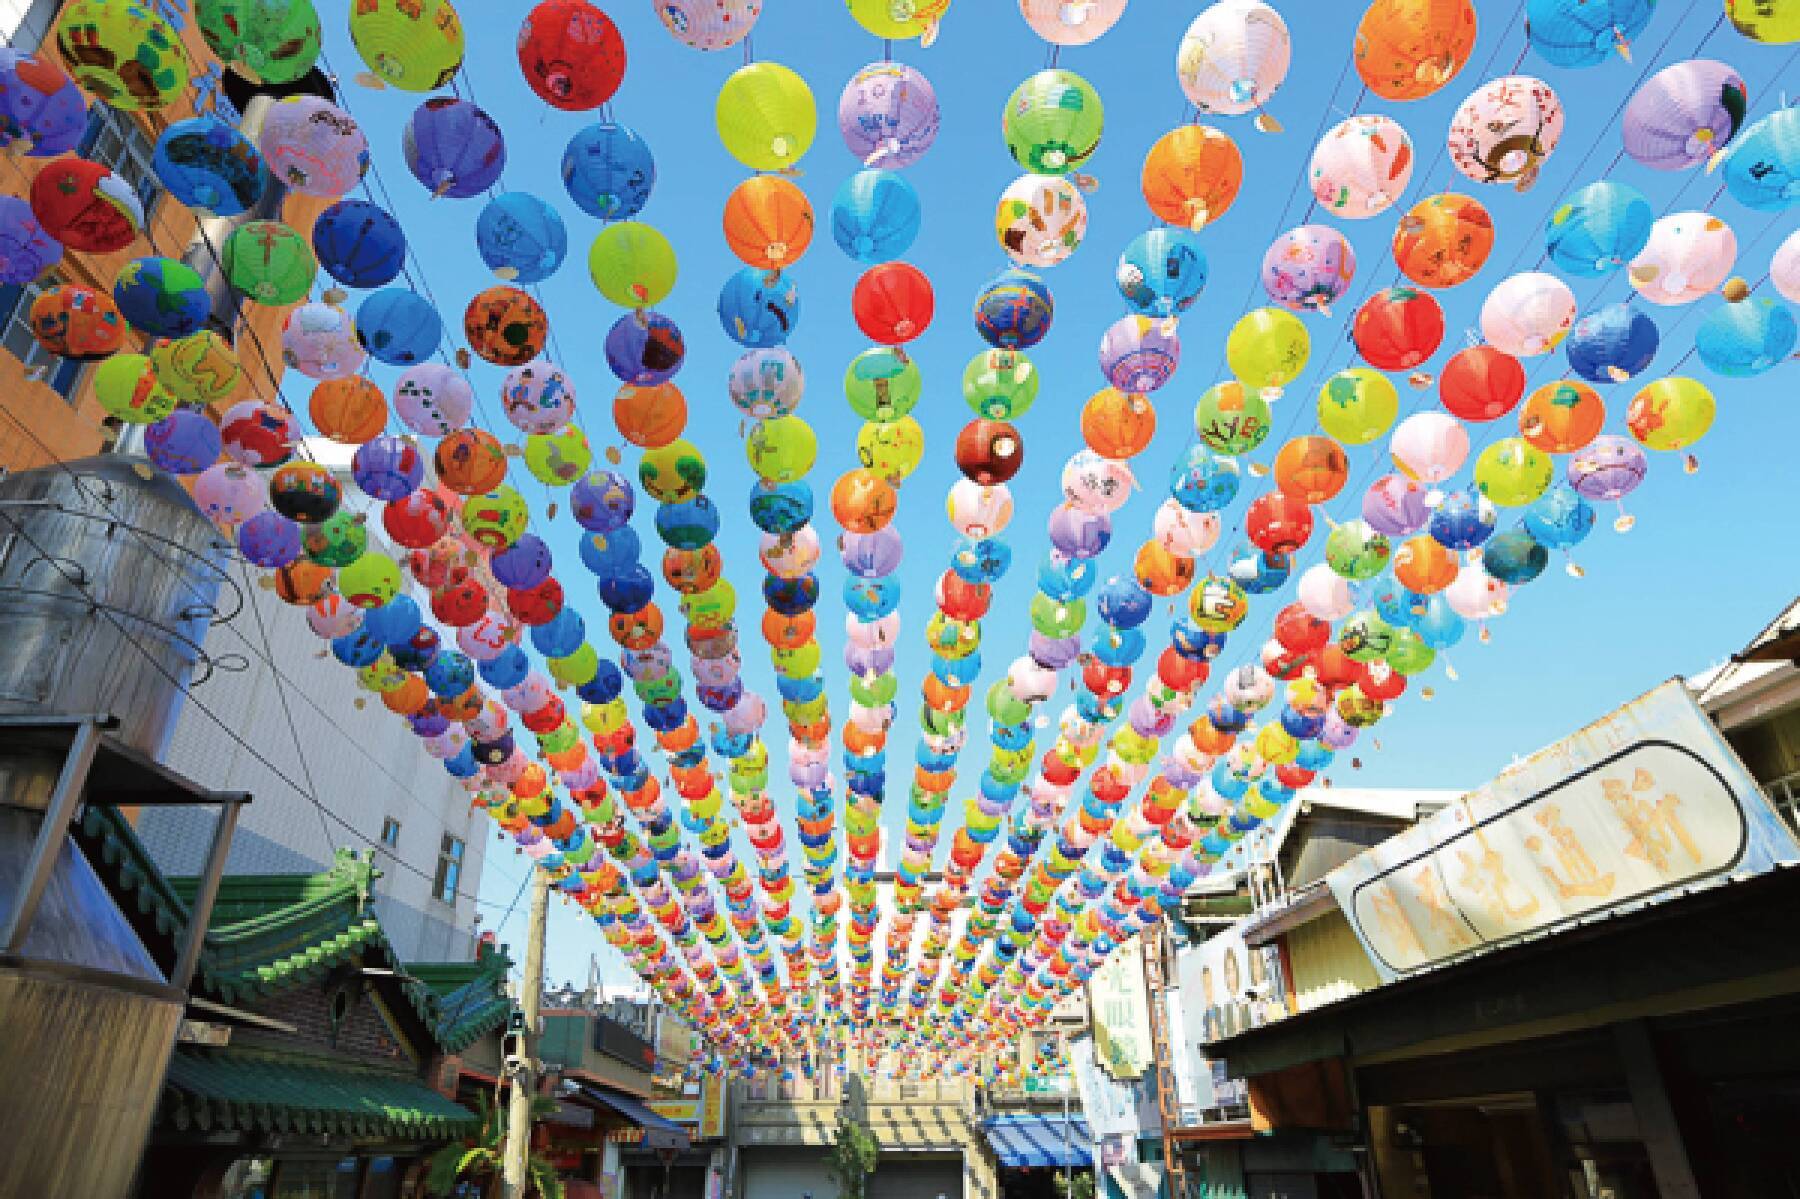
[200,914]
[518,1117]
[71,782]
[1068,1170]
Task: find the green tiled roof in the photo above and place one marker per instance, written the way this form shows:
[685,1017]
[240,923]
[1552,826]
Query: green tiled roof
[231,1090]
[468,999]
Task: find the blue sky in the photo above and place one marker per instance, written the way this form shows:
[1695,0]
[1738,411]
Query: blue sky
[1703,570]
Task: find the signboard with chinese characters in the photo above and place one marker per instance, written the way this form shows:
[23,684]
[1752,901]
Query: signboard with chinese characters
[704,1113]
[1121,1016]
[1620,814]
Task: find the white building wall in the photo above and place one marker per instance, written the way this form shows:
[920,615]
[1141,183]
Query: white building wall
[361,762]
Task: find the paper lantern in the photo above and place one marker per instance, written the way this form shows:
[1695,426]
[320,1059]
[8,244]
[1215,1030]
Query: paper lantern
[359,244]
[1599,228]
[275,41]
[319,341]
[608,171]
[269,262]
[1191,176]
[398,326]
[470,462]
[1408,49]
[1308,268]
[884,19]
[892,303]
[875,216]
[26,249]
[768,222]
[505,326]
[1684,114]
[571,54]
[1052,122]
[185,442]
[1528,314]
[1688,255]
[650,416]
[1013,311]
[42,112]
[632,264]
[71,321]
[313,146]
[433,398]
[521,238]
[414,45]
[86,206]
[1505,131]
[350,409]
[888,115]
[1398,328]
[537,398]
[1585,33]
[709,24]
[201,368]
[1361,166]
[453,148]
[1443,240]
[1561,417]
[125,54]
[161,297]
[207,164]
[765,116]
[125,386]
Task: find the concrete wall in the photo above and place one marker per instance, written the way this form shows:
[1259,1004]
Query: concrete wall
[359,761]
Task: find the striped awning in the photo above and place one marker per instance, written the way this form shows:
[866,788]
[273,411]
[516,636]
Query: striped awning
[1040,1140]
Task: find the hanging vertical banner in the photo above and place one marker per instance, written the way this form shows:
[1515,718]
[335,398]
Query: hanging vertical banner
[1120,1008]
[1638,804]
[1109,1105]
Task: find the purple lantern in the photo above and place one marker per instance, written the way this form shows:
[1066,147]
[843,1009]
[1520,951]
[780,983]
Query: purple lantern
[387,468]
[1607,468]
[1053,653]
[1337,733]
[1394,506]
[524,564]
[40,106]
[888,115]
[26,250]
[1139,353]
[453,148]
[1079,533]
[602,501]
[1308,268]
[872,555]
[1684,114]
[185,442]
[269,540]
[645,348]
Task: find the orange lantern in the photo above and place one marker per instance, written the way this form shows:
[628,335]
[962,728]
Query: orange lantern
[409,698]
[1116,425]
[302,582]
[470,462]
[860,741]
[768,222]
[506,326]
[681,737]
[1561,417]
[461,708]
[1422,564]
[1191,175]
[1443,240]
[650,417]
[1209,738]
[1408,49]
[351,410]
[788,632]
[1311,469]
[1160,572]
[944,697]
[816,732]
[863,501]
[692,571]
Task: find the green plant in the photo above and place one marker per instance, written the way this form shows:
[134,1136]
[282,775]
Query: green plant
[1075,1186]
[853,1157]
[477,1161]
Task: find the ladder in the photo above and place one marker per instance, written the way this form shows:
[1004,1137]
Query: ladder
[1158,949]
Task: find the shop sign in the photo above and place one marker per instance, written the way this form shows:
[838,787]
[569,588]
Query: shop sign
[1121,1016]
[1624,813]
[705,1112]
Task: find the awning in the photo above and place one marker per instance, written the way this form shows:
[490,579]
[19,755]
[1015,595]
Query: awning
[1033,1140]
[658,1132]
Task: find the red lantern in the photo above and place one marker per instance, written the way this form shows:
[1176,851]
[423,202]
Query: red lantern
[1299,631]
[1335,669]
[1283,663]
[1059,771]
[1382,682]
[417,521]
[1178,673]
[1277,523]
[545,719]
[1108,787]
[85,206]
[572,54]
[536,605]
[960,600]
[1104,680]
[989,452]
[892,303]
[1293,776]
[1398,328]
[1481,383]
[460,602]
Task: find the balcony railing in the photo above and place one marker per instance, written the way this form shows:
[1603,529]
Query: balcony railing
[1784,793]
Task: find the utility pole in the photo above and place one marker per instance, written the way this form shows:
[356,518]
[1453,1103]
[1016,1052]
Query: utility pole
[524,1079]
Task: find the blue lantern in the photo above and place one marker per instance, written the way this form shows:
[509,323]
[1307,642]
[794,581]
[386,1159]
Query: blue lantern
[1745,338]
[359,244]
[521,238]
[1611,344]
[399,327]
[1162,272]
[608,171]
[757,308]
[1599,228]
[875,216]
[1013,310]
[453,148]
[206,163]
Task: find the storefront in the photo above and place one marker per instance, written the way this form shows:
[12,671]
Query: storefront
[1032,1149]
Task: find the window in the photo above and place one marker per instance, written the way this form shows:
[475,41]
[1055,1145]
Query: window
[390,833]
[449,870]
[115,140]
[62,374]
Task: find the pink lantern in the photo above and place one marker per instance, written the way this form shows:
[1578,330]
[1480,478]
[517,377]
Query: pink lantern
[1784,268]
[1324,593]
[1429,447]
[1185,533]
[1528,314]
[1689,255]
[1362,166]
[1095,484]
[976,511]
[433,399]
[230,493]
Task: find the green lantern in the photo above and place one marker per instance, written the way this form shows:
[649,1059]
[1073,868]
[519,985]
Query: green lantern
[766,116]
[1056,619]
[123,53]
[673,473]
[1358,405]
[337,541]
[277,41]
[370,581]
[414,45]
[558,459]
[1409,655]
[1366,637]
[1231,418]
[269,262]
[1512,472]
[1356,551]
[1000,384]
[201,368]
[1052,122]
[882,384]
[632,264]
[127,388]
[1004,706]
[782,450]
